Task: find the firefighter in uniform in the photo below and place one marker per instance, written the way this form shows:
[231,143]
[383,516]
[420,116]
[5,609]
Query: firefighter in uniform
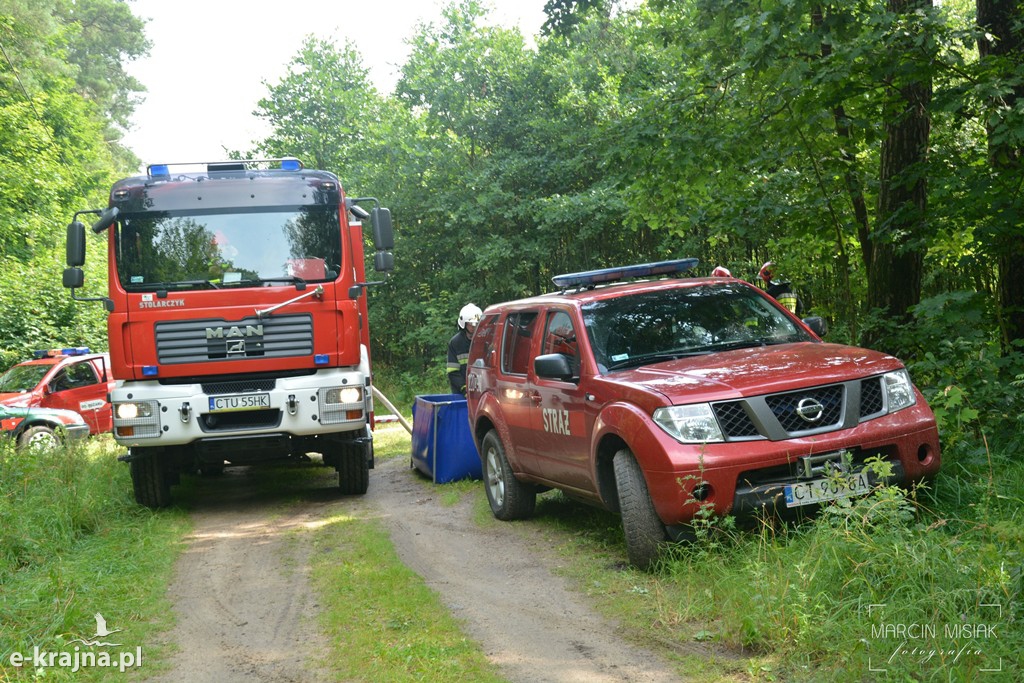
[781,291]
[458,347]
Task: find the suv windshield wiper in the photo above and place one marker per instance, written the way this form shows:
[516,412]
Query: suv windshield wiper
[657,357]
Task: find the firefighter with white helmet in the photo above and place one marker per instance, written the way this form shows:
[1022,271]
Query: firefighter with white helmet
[458,347]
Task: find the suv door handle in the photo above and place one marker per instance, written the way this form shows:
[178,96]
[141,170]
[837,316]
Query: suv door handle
[535,397]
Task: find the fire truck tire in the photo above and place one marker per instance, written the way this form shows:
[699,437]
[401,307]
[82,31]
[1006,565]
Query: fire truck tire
[39,436]
[644,530]
[150,481]
[509,498]
[353,472]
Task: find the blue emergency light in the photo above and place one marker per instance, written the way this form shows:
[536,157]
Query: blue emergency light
[56,353]
[590,278]
[150,371]
[291,164]
[162,170]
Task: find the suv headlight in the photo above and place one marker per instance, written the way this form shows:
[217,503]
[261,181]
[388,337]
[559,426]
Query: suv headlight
[899,391]
[694,423]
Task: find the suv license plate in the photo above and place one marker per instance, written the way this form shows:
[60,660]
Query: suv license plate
[820,490]
[227,404]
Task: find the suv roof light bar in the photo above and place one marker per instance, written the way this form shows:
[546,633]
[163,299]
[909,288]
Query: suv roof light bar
[57,353]
[590,278]
[284,163]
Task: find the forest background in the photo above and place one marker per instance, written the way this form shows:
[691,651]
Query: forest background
[872,150]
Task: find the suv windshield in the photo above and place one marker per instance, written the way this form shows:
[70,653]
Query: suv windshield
[22,378]
[650,327]
[184,250]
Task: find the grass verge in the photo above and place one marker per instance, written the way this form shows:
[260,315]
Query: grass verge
[383,622]
[73,544]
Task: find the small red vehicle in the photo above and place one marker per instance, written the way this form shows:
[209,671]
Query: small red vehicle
[658,398]
[72,379]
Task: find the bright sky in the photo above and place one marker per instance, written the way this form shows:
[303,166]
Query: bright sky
[209,59]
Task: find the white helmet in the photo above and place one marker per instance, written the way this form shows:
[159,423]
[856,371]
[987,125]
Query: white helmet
[470,313]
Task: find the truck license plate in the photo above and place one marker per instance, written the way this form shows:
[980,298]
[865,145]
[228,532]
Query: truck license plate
[820,490]
[227,404]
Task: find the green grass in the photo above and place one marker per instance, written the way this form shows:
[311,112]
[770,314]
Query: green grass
[383,622]
[73,543]
[808,602]
[826,599]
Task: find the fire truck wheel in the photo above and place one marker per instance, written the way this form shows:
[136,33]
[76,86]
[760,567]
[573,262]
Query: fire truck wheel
[39,436]
[645,532]
[149,480]
[353,471]
[509,498]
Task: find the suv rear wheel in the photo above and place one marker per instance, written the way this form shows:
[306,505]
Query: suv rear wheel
[645,533]
[509,498]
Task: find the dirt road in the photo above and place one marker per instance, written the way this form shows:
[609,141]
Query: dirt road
[245,610]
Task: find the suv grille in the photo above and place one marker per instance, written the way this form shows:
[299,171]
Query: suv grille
[776,417]
[195,341]
[785,407]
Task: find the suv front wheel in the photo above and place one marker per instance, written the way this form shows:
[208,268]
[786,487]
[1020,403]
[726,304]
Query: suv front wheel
[509,498]
[645,532]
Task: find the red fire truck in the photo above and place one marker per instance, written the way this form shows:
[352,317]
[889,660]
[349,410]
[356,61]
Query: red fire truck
[237,319]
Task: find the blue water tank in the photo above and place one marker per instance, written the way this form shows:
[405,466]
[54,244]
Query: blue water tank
[442,445]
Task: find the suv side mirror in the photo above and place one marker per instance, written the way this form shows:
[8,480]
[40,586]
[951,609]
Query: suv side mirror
[817,325]
[553,366]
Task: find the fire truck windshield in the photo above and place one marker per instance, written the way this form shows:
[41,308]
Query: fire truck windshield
[184,250]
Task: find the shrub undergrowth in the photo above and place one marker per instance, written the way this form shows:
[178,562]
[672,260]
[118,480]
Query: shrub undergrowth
[72,544]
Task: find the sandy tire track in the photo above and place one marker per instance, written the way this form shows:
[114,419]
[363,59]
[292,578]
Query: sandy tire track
[246,611]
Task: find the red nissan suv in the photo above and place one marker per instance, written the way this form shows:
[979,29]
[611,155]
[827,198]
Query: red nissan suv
[659,397]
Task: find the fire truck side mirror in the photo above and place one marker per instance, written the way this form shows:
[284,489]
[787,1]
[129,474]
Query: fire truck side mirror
[74,278]
[384,261]
[75,247]
[105,220]
[383,236]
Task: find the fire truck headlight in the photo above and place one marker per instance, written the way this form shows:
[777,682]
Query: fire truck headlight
[134,411]
[343,395]
[341,404]
[136,419]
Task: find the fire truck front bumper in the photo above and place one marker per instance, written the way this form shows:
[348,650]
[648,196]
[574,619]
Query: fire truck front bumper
[155,414]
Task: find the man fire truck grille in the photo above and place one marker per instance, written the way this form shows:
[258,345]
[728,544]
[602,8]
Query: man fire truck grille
[195,341]
[785,410]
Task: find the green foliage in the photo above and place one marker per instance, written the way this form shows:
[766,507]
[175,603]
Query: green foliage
[72,542]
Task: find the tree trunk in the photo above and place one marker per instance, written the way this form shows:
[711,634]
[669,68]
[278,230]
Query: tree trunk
[999,18]
[898,244]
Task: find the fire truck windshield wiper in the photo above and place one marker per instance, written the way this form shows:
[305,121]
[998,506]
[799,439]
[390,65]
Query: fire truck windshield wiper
[317,293]
[179,284]
[288,278]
